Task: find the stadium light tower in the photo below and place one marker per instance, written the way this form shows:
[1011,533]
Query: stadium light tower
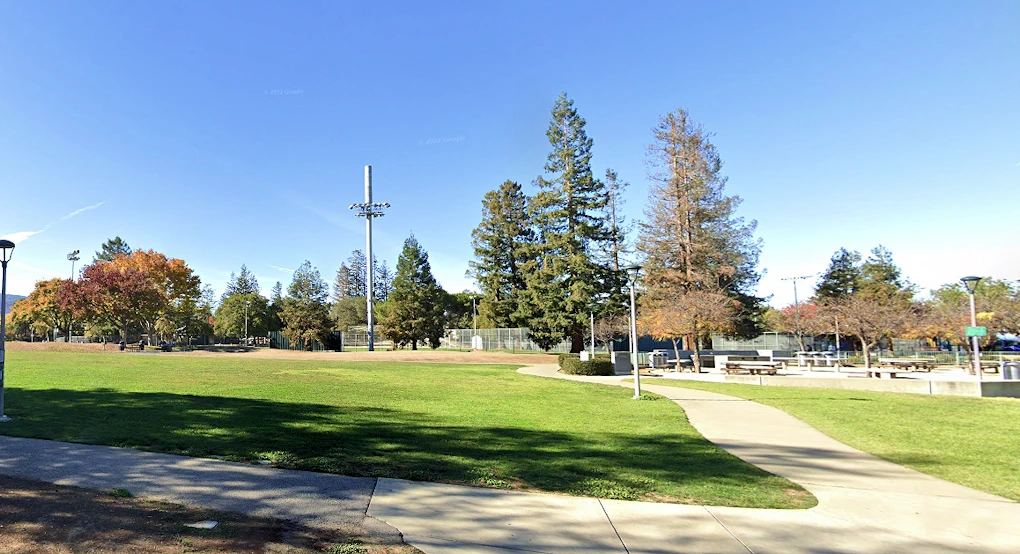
[369,210]
[73,257]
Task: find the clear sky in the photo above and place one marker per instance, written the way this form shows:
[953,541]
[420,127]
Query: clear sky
[236,132]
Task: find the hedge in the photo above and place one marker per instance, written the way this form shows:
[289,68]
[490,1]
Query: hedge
[574,366]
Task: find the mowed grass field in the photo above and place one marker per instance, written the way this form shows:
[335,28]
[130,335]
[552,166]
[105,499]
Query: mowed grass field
[482,425]
[971,441]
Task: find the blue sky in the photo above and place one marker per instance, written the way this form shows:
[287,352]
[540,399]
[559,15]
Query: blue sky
[236,132]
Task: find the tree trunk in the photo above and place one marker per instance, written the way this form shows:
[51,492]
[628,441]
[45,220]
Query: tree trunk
[414,344]
[695,354]
[676,352]
[576,342]
[866,347]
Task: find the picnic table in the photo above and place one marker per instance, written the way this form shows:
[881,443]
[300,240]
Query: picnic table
[754,367]
[884,372]
[915,364]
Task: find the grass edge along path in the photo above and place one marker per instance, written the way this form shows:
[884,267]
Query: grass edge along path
[483,425]
[973,442]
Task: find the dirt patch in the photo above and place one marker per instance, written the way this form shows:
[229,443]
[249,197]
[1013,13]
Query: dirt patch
[427,356]
[59,346]
[39,517]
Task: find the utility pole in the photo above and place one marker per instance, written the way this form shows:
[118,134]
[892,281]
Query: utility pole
[796,306]
[369,210]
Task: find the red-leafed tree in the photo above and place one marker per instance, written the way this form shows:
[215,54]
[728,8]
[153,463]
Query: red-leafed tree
[116,296]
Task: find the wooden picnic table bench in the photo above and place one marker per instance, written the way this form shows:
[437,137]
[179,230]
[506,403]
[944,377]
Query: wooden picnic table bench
[884,372]
[753,367]
[917,364]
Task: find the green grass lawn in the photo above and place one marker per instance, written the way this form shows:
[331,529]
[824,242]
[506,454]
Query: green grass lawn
[477,424]
[970,441]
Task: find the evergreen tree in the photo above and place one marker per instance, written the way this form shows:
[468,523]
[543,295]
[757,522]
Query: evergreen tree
[343,286]
[111,249]
[564,278]
[617,246]
[383,283]
[357,274]
[882,279]
[841,278]
[416,304]
[305,315]
[700,259]
[275,307]
[500,242]
[245,283]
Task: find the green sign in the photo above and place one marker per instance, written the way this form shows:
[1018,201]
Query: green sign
[977,331]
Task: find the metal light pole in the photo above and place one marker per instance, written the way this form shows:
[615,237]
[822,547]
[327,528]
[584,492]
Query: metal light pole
[246,304]
[796,305]
[632,273]
[474,321]
[72,257]
[369,210]
[6,250]
[591,314]
[971,283]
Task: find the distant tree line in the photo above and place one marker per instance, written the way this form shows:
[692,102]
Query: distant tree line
[126,292]
[869,301]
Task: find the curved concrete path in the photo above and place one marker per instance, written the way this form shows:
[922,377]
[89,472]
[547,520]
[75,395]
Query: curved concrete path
[866,504]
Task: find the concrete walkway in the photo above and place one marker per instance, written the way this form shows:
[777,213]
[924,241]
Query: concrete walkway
[865,504]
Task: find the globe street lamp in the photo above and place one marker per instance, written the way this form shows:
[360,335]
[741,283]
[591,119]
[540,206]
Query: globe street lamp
[632,273]
[6,250]
[971,282]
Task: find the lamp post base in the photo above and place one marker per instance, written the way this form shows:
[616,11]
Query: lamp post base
[5,419]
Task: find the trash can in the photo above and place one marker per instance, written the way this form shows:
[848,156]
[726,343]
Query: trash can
[1010,370]
[658,359]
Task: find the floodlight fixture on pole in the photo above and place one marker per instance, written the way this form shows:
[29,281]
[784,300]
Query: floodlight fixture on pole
[632,274]
[971,282]
[369,210]
[6,251]
[796,304]
[73,257]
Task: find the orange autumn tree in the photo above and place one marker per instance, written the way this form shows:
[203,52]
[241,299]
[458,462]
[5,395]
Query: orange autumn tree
[43,308]
[174,288]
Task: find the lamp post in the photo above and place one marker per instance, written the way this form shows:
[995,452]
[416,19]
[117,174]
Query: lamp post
[474,320]
[6,250]
[369,210]
[632,273]
[246,304]
[971,282]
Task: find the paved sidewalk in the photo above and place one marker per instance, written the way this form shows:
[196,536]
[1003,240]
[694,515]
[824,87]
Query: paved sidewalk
[314,499]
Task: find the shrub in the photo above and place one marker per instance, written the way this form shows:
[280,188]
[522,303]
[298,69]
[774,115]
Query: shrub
[574,366]
[561,357]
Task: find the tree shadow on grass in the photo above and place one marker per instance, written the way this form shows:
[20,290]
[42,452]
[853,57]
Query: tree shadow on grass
[381,442]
